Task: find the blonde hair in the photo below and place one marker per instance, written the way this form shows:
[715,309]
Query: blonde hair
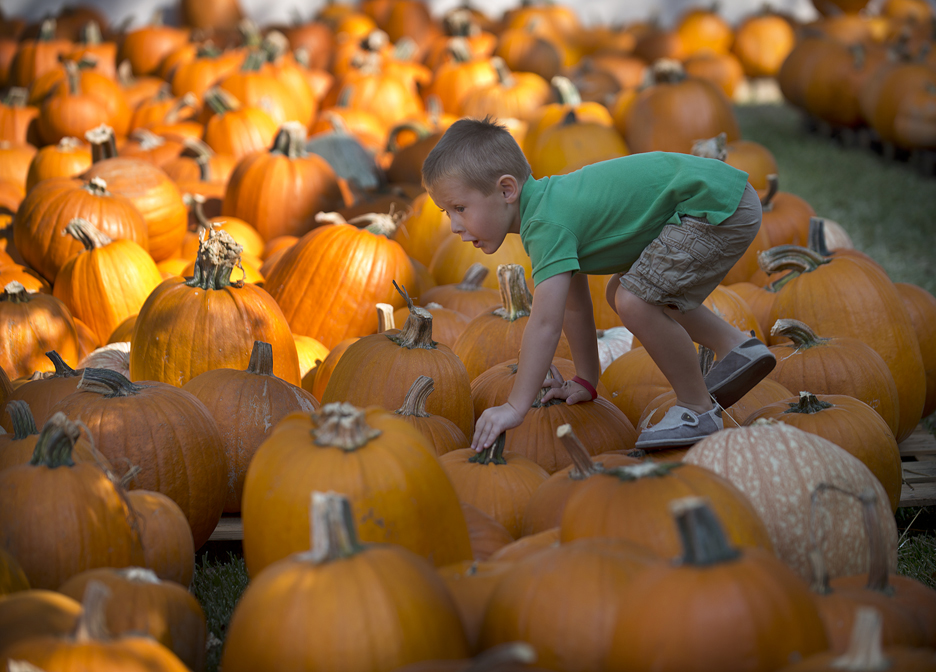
[477,152]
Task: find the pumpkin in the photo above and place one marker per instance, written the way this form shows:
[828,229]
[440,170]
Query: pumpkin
[833,365]
[762,42]
[455,77]
[337,582]
[399,491]
[17,119]
[145,185]
[12,577]
[316,381]
[514,94]
[41,392]
[469,297]
[710,568]
[633,380]
[141,603]
[235,129]
[113,356]
[254,84]
[487,535]
[83,100]
[922,308]
[564,600]
[147,46]
[53,203]
[165,431]
[723,70]
[884,91]
[777,458]
[861,289]
[572,144]
[168,546]
[33,613]
[18,446]
[107,283]
[68,158]
[97,519]
[498,484]
[247,405]
[329,282]
[443,434]
[494,336]
[35,57]
[470,584]
[33,325]
[833,85]
[544,509]
[368,370]
[238,315]
[569,100]
[90,646]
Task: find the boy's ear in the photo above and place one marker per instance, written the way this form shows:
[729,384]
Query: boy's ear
[509,187]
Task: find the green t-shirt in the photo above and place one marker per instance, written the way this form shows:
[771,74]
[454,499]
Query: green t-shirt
[599,219]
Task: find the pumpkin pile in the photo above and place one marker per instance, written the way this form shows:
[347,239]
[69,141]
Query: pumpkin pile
[223,291]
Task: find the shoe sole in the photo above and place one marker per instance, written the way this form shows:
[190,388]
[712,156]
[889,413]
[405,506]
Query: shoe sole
[660,444]
[731,390]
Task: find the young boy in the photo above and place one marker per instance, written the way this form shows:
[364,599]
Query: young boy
[669,226]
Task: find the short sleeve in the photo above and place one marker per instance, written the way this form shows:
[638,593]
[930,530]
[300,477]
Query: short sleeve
[553,249]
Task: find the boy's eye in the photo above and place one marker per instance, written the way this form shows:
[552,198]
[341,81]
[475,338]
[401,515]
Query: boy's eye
[459,208]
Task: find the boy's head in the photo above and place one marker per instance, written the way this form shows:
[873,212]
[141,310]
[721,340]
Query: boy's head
[476,153]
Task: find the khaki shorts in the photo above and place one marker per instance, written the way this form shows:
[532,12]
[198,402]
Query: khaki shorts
[684,264]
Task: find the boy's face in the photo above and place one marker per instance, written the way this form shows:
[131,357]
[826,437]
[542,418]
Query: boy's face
[481,220]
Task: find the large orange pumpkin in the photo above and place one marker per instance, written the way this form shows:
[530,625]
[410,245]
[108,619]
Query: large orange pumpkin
[34,324]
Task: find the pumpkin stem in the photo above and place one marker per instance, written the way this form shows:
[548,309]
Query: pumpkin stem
[139,575]
[808,403]
[72,76]
[789,258]
[17,96]
[459,49]
[221,101]
[108,383]
[54,445]
[712,148]
[147,139]
[380,223]
[515,295]
[47,30]
[667,71]
[290,140]
[62,369]
[14,292]
[773,185]
[421,130]
[507,656]
[385,318]
[504,76]
[71,144]
[492,455]
[816,237]
[703,539]
[473,278]
[333,533]
[218,255]
[864,653]
[103,143]
[261,359]
[646,469]
[414,404]
[799,332]
[568,93]
[85,233]
[417,330]
[23,422]
[342,425]
[96,186]
[582,465]
[92,624]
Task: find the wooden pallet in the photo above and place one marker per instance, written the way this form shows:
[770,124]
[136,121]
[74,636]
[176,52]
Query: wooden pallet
[919,482]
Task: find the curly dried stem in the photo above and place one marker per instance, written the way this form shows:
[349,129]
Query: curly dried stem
[773,185]
[342,425]
[414,404]
[800,333]
[793,258]
[87,234]
[55,443]
[417,330]
[108,383]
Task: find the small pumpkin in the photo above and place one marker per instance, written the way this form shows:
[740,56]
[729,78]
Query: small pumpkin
[35,324]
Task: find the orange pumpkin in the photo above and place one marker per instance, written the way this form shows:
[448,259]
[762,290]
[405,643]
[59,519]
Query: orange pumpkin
[443,434]
[168,546]
[31,613]
[68,158]
[235,129]
[41,392]
[762,42]
[35,324]
[922,308]
[468,297]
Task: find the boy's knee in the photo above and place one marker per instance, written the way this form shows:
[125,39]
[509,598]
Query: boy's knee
[611,290]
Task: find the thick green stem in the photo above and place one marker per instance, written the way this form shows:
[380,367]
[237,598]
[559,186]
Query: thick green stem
[342,425]
[23,422]
[703,539]
[516,299]
[85,233]
[108,383]
[261,359]
[492,455]
[414,404]
[799,332]
[54,445]
[808,403]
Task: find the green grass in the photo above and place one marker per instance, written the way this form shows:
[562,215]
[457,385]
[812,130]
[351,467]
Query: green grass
[886,206]
[218,585]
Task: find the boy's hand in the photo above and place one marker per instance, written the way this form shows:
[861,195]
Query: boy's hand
[568,390]
[492,422]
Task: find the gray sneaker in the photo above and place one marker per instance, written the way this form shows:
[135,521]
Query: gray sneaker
[680,427]
[742,369]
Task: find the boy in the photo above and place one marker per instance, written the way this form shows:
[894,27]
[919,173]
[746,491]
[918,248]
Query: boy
[669,226]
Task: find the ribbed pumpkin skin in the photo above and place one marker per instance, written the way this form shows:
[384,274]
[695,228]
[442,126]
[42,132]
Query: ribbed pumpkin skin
[170,435]
[376,371]
[421,233]
[154,194]
[922,308]
[31,329]
[105,286]
[634,380]
[638,510]
[564,601]
[330,281]
[44,213]
[398,490]
[127,654]
[839,365]
[850,424]
[183,331]
[500,490]
[471,583]
[163,610]
[279,195]
[778,466]
[487,535]
[168,546]
[733,309]
[373,612]
[62,521]
[247,406]
[34,613]
[849,297]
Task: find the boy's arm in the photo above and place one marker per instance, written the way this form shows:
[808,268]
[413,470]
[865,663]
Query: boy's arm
[540,338]
[579,327]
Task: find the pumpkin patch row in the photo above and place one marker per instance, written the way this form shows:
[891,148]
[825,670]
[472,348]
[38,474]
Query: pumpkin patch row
[224,290]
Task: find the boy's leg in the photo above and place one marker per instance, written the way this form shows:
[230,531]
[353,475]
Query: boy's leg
[708,329]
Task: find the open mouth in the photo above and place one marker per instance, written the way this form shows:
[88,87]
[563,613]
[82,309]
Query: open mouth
[476,243]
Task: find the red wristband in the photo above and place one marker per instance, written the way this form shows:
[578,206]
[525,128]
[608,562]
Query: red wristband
[588,386]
